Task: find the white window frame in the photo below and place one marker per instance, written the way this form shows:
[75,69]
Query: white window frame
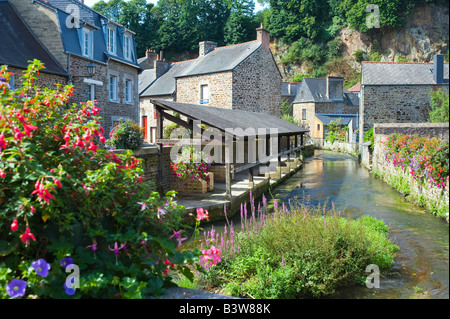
[91,92]
[87,43]
[127,47]
[204,93]
[128,91]
[111,40]
[113,88]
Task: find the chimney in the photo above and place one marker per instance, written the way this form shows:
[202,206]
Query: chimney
[263,37]
[160,65]
[205,47]
[335,88]
[438,68]
[151,57]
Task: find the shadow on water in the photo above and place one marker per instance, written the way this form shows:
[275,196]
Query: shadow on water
[421,264]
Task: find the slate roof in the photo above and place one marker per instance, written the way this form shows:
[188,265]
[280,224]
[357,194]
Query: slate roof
[224,119]
[344,118]
[221,59]
[18,45]
[315,90]
[390,73]
[165,84]
[146,78]
[96,21]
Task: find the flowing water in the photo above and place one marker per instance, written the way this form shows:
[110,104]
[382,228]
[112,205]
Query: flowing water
[421,264]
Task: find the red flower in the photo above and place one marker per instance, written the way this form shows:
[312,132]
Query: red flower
[3,143]
[27,236]
[14,225]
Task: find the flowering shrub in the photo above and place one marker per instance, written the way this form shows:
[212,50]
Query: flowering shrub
[191,164]
[126,134]
[428,159]
[64,200]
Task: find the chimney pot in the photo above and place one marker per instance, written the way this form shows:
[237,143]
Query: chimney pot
[263,37]
[438,68]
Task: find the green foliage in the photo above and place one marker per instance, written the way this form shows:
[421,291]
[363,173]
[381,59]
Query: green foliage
[439,112]
[300,252]
[336,132]
[299,77]
[63,195]
[359,55]
[126,135]
[370,137]
[402,59]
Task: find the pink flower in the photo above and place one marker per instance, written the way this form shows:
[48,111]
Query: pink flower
[116,249]
[93,247]
[29,128]
[202,214]
[92,147]
[18,135]
[210,257]
[3,143]
[177,236]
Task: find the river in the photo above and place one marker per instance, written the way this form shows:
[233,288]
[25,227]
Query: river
[421,268]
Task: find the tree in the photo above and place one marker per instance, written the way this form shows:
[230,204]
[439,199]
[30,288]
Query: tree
[439,107]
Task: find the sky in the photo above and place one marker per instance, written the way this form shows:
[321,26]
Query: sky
[91,3]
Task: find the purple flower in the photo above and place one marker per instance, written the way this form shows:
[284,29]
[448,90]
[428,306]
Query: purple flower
[41,267]
[177,236]
[69,291]
[16,288]
[66,262]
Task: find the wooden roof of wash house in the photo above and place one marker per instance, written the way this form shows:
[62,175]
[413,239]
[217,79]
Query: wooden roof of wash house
[225,119]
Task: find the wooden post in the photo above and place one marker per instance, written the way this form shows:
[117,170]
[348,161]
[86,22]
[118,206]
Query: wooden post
[279,156]
[159,135]
[228,161]
[250,178]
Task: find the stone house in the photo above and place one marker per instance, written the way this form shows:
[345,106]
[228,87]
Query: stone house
[322,96]
[243,76]
[19,45]
[393,92]
[319,131]
[97,54]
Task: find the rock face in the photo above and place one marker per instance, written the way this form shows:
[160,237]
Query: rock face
[424,35]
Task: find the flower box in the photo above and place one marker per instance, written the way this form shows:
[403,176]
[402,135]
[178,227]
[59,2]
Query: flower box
[192,186]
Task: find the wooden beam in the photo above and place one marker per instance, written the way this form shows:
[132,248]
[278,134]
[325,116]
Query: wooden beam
[176,120]
[188,142]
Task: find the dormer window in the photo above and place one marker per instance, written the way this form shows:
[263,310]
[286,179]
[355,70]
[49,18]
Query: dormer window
[111,41]
[127,47]
[87,43]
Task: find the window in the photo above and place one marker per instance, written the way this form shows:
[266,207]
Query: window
[87,43]
[91,92]
[113,88]
[303,114]
[204,94]
[318,127]
[111,41]
[127,47]
[128,91]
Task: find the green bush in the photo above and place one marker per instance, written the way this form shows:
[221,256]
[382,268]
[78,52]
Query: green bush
[65,199]
[299,252]
[127,135]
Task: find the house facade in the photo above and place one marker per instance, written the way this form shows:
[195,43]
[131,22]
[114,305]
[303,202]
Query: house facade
[322,96]
[399,92]
[97,54]
[19,45]
[241,77]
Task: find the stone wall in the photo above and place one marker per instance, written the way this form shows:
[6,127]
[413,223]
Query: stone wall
[257,84]
[110,111]
[44,79]
[219,85]
[395,104]
[434,199]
